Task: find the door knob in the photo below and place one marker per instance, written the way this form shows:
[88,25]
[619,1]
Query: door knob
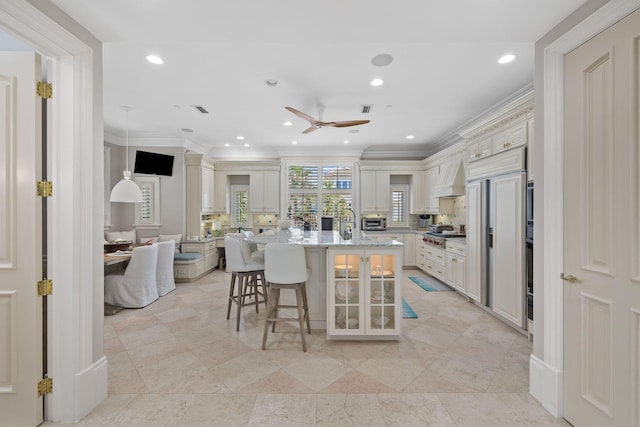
[570,278]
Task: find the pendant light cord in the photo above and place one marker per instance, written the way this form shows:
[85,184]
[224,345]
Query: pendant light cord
[126,151]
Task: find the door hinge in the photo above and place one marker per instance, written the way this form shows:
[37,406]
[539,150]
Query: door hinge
[44,90]
[45,287]
[45,386]
[45,188]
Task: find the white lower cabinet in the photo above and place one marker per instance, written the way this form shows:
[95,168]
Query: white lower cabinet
[209,251]
[421,254]
[456,265]
[410,249]
[435,262]
[364,293]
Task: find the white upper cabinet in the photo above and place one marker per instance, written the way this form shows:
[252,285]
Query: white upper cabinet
[507,128]
[200,190]
[418,202]
[375,191]
[221,192]
[264,192]
[480,149]
[433,203]
[515,136]
[207,189]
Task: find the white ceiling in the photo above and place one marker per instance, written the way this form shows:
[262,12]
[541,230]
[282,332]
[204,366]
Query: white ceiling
[218,54]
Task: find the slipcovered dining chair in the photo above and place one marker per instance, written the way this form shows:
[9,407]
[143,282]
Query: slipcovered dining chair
[136,286]
[165,281]
[249,272]
[285,267]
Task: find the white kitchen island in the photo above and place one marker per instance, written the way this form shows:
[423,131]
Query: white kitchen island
[354,290]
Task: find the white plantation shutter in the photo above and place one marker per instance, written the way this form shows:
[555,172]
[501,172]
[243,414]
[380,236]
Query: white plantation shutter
[303,177]
[240,205]
[338,177]
[308,198]
[304,207]
[399,205]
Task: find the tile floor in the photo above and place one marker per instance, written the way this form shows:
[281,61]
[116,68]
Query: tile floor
[179,362]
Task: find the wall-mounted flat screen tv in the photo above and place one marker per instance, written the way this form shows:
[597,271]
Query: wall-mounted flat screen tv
[153,163]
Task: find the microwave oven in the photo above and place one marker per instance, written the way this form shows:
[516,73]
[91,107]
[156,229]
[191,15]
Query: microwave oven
[372,224]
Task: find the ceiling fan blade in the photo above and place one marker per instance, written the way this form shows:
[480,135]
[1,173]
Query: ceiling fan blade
[346,123]
[310,129]
[303,115]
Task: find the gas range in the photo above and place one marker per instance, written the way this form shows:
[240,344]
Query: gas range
[434,239]
[436,236]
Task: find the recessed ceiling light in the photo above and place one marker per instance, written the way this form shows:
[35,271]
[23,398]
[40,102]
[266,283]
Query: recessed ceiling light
[246,145]
[154,59]
[294,142]
[376,82]
[346,142]
[382,60]
[505,59]
[187,130]
[227,145]
[271,82]
[240,137]
[287,123]
[410,136]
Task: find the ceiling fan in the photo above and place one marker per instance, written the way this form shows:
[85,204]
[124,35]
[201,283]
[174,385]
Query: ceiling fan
[317,124]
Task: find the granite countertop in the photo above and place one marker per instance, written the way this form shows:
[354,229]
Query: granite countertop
[319,239]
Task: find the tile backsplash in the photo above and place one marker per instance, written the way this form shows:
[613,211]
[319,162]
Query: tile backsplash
[459,215]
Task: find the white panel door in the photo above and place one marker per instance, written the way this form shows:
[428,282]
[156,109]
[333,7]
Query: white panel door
[508,279]
[602,225]
[20,240]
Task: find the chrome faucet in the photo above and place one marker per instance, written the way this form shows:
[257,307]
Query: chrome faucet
[345,235]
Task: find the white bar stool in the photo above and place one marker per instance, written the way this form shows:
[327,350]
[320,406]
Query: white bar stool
[285,267]
[241,267]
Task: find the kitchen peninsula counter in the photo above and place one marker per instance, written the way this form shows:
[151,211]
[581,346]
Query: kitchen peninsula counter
[320,239]
[346,288]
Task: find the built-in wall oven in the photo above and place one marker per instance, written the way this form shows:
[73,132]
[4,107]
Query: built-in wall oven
[529,250]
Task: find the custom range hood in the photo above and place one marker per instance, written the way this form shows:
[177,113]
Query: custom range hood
[451,182]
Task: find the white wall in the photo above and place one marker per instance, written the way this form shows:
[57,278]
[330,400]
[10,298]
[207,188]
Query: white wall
[172,192]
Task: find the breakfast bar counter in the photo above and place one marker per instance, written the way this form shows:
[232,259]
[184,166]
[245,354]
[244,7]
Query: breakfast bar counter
[354,288]
[320,239]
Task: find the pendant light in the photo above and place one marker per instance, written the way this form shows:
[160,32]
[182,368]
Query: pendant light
[126,190]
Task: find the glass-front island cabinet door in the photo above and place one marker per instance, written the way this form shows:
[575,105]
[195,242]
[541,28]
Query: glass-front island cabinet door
[346,288]
[364,295]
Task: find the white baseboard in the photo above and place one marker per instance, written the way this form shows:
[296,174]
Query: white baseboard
[545,384]
[91,388]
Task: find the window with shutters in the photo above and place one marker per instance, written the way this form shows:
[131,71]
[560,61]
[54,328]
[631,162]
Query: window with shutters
[315,190]
[399,198]
[148,211]
[240,205]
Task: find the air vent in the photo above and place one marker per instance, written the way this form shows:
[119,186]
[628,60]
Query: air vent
[201,109]
[366,109]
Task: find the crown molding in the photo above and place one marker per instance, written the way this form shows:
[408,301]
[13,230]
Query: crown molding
[518,109]
[395,152]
